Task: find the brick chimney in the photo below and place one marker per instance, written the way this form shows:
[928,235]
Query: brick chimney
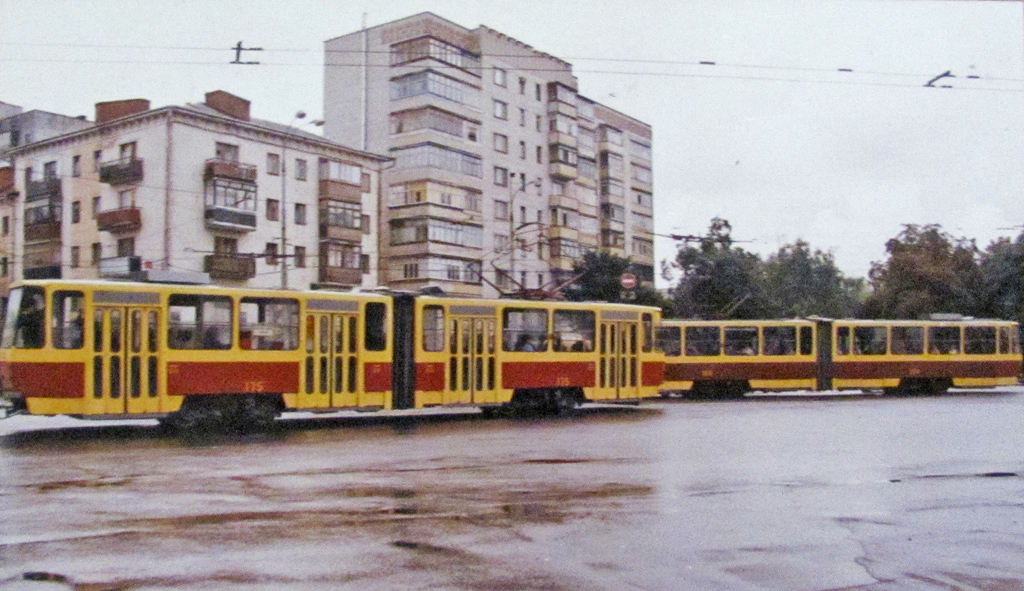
[229,104]
[111,110]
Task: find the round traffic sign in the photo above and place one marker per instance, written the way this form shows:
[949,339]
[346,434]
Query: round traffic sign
[628,280]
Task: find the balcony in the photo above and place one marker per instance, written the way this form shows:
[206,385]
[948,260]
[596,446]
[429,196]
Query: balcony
[47,230]
[226,169]
[562,170]
[340,191]
[233,267]
[42,261]
[340,275]
[230,219]
[120,267]
[119,221]
[342,233]
[44,189]
[563,233]
[126,171]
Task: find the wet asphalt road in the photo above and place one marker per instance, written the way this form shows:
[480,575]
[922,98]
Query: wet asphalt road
[787,493]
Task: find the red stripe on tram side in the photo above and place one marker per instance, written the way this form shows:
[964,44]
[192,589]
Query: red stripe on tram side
[781,370]
[852,370]
[532,374]
[377,377]
[429,377]
[45,380]
[185,377]
[654,373]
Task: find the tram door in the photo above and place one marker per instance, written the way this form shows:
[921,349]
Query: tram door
[471,363]
[125,368]
[331,377]
[618,360]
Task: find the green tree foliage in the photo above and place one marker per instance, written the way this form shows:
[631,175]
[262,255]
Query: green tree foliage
[1002,270]
[800,282]
[599,275]
[719,280]
[928,271]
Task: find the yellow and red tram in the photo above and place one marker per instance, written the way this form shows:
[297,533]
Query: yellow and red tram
[193,353]
[729,358]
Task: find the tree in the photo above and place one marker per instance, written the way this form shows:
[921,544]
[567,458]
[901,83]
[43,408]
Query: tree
[719,281]
[599,275]
[928,271]
[1002,271]
[799,282]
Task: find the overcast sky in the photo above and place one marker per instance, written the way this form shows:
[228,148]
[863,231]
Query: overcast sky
[773,137]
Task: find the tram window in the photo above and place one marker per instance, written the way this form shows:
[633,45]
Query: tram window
[943,340]
[268,324]
[741,340]
[703,341]
[199,322]
[25,328]
[66,319]
[524,329]
[806,340]
[980,340]
[907,340]
[843,340]
[780,340]
[573,330]
[869,340]
[433,329]
[648,322]
[670,340]
[376,326]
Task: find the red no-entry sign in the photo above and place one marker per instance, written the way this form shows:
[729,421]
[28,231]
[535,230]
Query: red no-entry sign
[628,280]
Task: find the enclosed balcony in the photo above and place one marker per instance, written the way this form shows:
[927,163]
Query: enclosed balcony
[126,171]
[227,169]
[48,188]
[119,221]
[43,230]
[232,267]
[42,261]
[340,275]
[340,191]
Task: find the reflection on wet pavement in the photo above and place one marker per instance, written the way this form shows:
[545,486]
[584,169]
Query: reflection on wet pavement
[848,493]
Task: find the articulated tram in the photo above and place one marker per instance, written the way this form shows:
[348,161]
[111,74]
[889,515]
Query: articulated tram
[729,358]
[191,354]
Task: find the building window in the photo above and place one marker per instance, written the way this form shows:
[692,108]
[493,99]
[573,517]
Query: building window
[430,82]
[75,257]
[342,214]
[434,156]
[540,155]
[226,152]
[539,123]
[273,210]
[500,210]
[273,164]
[420,230]
[538,92]
[76,166]
[126,247]
[300,256]
[429,47]
[6,225]
[4,267]
[96,202]
[76,212]
[50,170]
[522,117]
[562,154]
[501,143]
[300,169]
[225,246]
[410,271]
[500,176]
[522,85]
[97,157]
[300,214]
[270,252]
[500,109]
[97,253]
[341,171]
[522,150]
[500,77]
[127,151]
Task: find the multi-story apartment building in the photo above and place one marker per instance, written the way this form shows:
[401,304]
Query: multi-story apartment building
[19,127]
[183,190]
[503,174]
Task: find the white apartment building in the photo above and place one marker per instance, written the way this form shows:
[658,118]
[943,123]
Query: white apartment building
[503,175]
[180,191]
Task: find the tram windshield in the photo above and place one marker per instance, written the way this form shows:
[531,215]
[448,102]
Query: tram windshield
[24,321]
